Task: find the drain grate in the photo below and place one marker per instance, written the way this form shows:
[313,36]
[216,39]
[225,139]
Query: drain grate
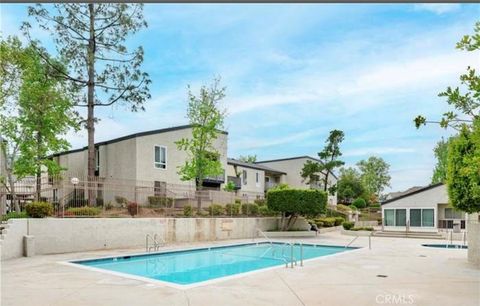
[381,275]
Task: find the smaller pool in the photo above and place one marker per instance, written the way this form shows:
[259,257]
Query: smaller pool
[446,246]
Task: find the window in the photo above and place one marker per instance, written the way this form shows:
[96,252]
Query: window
[389,217]
[160,157]
[451,213]
[427,218]
[400,217]
[159,188]
[244,177]
[416,217]
[256,177]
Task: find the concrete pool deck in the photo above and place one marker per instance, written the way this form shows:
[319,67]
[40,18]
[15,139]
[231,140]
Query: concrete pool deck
[416,275]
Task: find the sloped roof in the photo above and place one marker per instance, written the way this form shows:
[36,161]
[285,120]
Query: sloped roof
[414,191]
[236,162]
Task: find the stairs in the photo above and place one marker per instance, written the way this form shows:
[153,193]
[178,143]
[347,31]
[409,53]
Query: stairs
[418,235]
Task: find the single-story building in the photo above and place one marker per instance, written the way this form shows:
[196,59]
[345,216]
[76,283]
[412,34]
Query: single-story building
[423,209]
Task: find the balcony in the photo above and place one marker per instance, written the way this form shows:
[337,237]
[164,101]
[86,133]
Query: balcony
[270,185]
[236,181]
[218,179]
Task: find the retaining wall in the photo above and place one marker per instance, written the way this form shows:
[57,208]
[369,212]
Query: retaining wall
[54,235]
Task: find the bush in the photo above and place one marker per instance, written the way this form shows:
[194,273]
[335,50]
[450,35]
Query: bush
[260,202]
[297,201]
[121,200]
[77,202]
[187,211]
[216,210]
[343,208]
[362,229]
[159,201]
[335,213]
[14,215]
[326,221]
[347,225]
[238,201]
[265,211]
[339,221]
[133,208]
[249,209]
[233,209]
[84,211]
[375,205]
[108,206]
[39,209]
[359,203]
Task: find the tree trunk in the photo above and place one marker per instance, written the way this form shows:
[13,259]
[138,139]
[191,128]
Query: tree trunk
[13,194]
[38,174]
[199,195]
[90,106]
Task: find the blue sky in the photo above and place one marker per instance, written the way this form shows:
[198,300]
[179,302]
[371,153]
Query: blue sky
[295,72]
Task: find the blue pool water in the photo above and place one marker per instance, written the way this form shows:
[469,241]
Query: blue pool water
[192,266]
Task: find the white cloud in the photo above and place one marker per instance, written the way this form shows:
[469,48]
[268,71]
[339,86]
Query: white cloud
[437,8]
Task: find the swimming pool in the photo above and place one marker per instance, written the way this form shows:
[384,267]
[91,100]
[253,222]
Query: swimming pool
[187,267]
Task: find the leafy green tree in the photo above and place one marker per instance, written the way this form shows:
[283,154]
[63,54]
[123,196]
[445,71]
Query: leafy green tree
[314,172]
[463,176]
[374,175]
[38,114]
[440,170]
[349,185]
[467,103]
[206,117]
[91,39]
[248,158]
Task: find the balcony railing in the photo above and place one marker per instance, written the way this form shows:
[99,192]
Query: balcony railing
[270,185]
[236,181]
[219,179]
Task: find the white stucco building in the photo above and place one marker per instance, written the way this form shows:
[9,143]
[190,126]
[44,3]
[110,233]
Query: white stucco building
[424,209]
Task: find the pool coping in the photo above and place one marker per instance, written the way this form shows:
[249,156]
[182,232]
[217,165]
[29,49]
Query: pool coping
[77,264]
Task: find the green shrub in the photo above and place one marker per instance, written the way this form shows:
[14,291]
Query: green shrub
[260,202]
[326,221]
[229,186]
[249,209]
[14,215]
[233,209]
[343,208]
[376,205]
[297,201]
[216,210]
[359,203]
[39,209]
[187,211]
[362,229]
[109,205]
[203,213]
[339,221]
[238,201]
[84,211]
[347,225]
[156,201]
[77,202]
[265,211]
[133,208]
[121,200]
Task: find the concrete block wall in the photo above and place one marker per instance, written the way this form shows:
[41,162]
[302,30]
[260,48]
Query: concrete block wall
[52,235]
[473,237]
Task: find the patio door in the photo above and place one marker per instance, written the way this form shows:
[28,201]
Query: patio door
[400,217]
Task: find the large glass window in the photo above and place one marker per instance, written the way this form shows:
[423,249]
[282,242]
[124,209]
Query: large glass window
[400,217]
[160,157]
[416,217]
[244,174]
[427,218]
[389,217]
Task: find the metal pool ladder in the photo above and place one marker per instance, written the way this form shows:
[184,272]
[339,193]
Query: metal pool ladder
[155,243]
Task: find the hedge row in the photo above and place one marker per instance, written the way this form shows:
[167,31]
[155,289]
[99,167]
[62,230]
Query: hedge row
[297,201]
